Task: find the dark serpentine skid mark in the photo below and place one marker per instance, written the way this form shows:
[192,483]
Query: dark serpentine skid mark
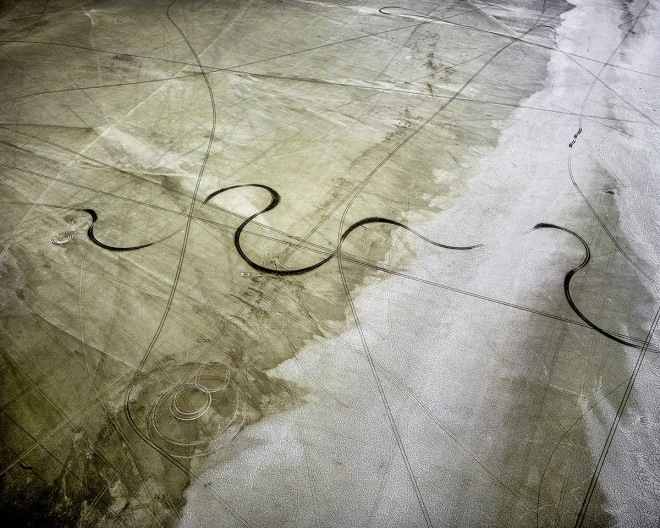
[567,284]
[575,136]
[92,237]
[275,200]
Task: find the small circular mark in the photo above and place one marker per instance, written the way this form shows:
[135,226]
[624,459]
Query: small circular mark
[190,402]
[62,238]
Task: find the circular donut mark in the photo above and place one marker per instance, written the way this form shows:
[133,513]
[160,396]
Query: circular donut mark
[199,415]
[190,402]
[62,238]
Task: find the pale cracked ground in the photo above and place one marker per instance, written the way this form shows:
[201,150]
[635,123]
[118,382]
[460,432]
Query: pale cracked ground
[300,263]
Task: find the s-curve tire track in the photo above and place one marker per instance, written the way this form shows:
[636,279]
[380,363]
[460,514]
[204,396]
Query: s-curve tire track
[275,200]
[567,285]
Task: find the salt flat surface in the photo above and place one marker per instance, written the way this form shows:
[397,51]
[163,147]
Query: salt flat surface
[299,263]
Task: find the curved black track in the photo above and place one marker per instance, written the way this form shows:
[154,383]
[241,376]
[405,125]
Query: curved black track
[92,236]
[275,200]
[567,284]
